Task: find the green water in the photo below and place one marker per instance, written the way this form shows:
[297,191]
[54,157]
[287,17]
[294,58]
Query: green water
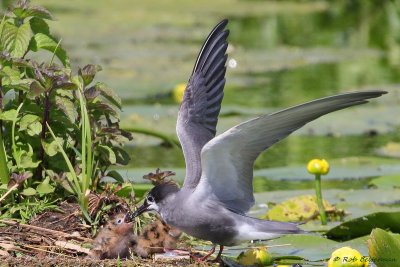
[287,52]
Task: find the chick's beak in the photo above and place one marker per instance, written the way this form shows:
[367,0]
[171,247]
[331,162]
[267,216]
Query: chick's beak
[139,211]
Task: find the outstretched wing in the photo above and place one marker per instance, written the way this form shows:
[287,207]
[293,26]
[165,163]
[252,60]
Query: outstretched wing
[227,160]
[198,114]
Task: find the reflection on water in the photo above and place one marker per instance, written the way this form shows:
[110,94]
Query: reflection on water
[291,151]
[287,52]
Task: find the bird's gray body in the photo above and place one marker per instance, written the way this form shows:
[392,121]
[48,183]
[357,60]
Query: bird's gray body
[210,220]
[218,187]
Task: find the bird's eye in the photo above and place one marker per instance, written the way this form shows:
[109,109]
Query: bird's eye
[150,198]
[119,221]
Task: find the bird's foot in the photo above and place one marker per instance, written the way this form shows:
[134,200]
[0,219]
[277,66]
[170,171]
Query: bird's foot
[205,257]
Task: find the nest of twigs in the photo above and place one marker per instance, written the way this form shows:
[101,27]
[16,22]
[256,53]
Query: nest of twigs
[60,232]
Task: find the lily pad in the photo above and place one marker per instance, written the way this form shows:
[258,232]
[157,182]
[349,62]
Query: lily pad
[300,208]
[308,247]
[388,181]
[384,248]
[391,149]
[364,225]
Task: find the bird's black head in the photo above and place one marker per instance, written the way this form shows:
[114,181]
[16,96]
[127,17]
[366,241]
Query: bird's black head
[156,195]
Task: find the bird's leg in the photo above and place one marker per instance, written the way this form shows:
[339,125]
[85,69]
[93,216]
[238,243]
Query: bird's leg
[218,258]
[202,259]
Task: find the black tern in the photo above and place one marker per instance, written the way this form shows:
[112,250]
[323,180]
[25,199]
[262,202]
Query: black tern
[218,186]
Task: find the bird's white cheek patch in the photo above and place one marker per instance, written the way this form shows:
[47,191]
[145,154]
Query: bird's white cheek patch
[153,206]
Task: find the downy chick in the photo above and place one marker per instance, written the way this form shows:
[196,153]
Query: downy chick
[156,237]
[115,239]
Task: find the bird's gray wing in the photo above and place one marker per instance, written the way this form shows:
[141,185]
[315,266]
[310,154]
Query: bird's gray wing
[227,160]
[198,114]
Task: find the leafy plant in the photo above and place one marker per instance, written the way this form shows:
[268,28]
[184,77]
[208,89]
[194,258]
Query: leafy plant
[56,127]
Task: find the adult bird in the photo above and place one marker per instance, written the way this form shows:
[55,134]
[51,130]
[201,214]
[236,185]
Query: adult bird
[218,187]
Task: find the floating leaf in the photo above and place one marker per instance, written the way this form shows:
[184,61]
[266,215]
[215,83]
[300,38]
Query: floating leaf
[300,208]
[391,149]
[309,247]
[363,225]
[388,181]
[16,39]
[384,248]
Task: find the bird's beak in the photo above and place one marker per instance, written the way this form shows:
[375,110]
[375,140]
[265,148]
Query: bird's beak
[140,210]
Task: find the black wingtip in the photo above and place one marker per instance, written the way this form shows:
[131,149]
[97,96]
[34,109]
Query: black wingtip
[217,28]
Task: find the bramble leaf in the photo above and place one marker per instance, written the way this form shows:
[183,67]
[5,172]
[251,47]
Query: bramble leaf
[43,41]
[16,39]
[38,25]
[109,94]
[108,153]
[24,11]
[88,72]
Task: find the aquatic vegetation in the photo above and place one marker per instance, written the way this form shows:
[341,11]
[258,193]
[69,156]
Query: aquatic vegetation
[347,257]
[319,167]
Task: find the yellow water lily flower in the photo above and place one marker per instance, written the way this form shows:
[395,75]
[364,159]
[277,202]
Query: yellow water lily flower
[178,91]
[347,257]
[255,257]
[318,166]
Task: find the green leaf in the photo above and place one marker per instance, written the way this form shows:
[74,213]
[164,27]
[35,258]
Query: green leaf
[309,247]
[39,25]
[363,225]
[67,107]
[45,187]
[384,248]
[16,39]
[115,175]
[123,157]
[35,89]
[24,158]
[88,72]
[109,94]
[31,124]
[44,41]
[8,115]
[10,77]
[127,190]
[39,12]
[29,191]
[24,11]
[388,181]
[108,152]
[52,148]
